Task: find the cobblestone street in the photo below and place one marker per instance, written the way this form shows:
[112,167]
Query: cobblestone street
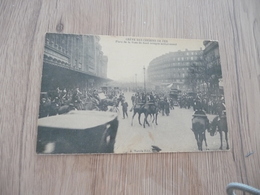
[172,134]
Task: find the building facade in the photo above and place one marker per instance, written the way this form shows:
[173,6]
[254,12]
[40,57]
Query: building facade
[73,61]
[172,68]
[212,59]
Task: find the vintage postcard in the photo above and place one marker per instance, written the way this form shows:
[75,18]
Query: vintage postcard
[112,94]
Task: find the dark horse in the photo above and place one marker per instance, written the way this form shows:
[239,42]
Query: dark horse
[138,108]
[199,125]
[219,124]
[150,109]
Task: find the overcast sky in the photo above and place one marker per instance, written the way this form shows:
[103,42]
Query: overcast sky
[127,59]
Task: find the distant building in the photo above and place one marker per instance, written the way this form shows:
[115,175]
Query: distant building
[73,61]
[172,68]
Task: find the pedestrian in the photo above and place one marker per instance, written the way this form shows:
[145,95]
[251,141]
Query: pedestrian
[124,108]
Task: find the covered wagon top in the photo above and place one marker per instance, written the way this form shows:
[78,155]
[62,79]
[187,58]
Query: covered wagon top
[79,120]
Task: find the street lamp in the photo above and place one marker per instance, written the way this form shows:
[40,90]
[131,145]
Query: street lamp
[144,80]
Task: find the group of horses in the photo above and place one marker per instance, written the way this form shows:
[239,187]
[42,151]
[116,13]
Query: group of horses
[148,109]
[152,109]
[200,124]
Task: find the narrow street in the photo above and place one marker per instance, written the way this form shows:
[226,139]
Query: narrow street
[172,134]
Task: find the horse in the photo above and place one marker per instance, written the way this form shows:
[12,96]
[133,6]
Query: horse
[219,124]
[199,125]
[162,105]
[104,103]
[150,109]
[138,108]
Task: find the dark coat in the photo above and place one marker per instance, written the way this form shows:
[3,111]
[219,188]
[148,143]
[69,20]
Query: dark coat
[124,106]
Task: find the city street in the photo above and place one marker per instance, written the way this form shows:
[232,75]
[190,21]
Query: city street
[172,134]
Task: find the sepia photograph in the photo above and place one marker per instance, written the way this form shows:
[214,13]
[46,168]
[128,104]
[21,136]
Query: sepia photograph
[115,94]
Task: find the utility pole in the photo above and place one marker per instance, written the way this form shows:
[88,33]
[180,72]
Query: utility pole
[144,81]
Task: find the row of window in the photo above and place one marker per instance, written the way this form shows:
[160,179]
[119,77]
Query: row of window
[168,68]
[158,61]
[171,73]
[168,80]
[168,75]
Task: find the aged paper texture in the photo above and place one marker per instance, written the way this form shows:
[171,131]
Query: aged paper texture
[111,94]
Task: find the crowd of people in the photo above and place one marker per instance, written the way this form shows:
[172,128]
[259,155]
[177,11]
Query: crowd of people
[89,99]
[60,101]
[210,104]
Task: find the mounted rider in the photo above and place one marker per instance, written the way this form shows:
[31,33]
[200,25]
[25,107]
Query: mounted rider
[221,107]
[201,114]
[152,98]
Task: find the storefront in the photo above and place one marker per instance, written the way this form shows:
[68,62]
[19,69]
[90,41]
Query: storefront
[55,76]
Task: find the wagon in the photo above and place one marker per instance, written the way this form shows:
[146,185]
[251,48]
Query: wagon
[77,132]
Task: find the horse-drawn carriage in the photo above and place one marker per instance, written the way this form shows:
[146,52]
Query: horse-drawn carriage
[77,132]
[174,96]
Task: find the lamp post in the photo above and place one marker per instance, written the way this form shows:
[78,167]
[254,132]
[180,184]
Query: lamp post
[144,81]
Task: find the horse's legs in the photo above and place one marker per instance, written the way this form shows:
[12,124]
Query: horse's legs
[226,137]
[145,120]
[197,139]
[156,118]
[133,118]
[151,118]
[204,135]
[220,133]
[200,141]
[139,116]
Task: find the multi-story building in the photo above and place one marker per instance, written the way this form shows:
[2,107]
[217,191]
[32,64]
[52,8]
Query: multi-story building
[211,53]
[172,68]
[212,59]
[73,61]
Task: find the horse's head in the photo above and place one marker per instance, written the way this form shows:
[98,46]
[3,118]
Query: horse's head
[212,131]
[213,126]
